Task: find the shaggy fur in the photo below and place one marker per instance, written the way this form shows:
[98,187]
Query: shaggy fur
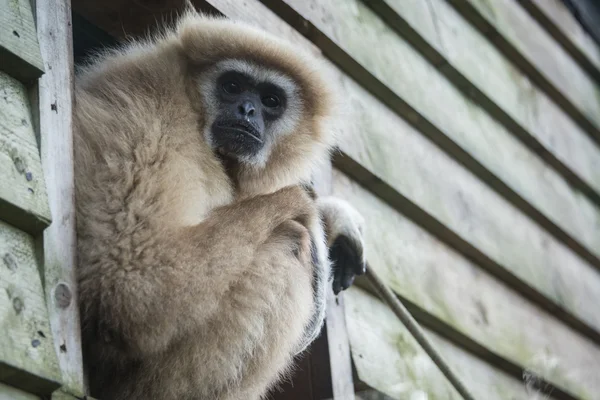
[195,282]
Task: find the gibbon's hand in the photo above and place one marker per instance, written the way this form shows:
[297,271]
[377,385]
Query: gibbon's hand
[346,254]
[345,239]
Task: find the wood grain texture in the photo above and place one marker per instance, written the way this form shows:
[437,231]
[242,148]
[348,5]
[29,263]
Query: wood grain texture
[495,321]
[560,23]
[19,49]
[532,49]
[27,357]
[492,82]
[395,152]
[389,359]
[62,395]
[339,349]
[54,110]
[23,200]
[10,393]
[338,346]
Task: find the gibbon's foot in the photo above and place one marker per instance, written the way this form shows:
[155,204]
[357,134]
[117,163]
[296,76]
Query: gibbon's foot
[348,262]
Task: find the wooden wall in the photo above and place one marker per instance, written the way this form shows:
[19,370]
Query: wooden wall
[40,350]
[471,148]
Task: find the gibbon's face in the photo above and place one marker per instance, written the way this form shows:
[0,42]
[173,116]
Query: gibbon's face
[249,108]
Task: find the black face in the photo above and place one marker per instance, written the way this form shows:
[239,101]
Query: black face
[246,110]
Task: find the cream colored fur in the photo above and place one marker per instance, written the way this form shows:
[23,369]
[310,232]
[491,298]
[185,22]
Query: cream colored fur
[195,282]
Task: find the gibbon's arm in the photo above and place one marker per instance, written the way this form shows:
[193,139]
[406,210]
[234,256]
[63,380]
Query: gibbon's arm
[186,281]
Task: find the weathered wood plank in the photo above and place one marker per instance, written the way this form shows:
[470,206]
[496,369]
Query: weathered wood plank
[62,395]
[371,395]
[558,21]
[23,200]
[19,51]
[493,320]
[389,359]
[342,385]
[54,111]
[27,357]
[441,34]
[526,43]
[339,349]
[11,393]
[385,144]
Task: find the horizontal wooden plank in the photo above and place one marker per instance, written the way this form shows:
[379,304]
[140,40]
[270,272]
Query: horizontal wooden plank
[445,285]
[63,395]
[371,394]
[27,357]
[385,144]
[561,24]
[19,50]
[23,200]
[10,393]
[441,34]
[530,47]
[388,358]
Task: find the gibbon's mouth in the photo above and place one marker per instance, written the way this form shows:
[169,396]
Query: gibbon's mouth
[240,126]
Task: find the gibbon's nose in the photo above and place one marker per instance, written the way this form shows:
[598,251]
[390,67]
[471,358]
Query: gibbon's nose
[247,109]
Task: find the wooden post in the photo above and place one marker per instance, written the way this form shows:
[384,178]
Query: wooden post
[339,349]
[55,97]
[337,337]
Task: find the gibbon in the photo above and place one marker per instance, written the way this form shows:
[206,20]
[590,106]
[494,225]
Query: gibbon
[203,261]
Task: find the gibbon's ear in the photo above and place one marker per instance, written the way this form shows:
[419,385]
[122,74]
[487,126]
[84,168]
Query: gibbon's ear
[344,227]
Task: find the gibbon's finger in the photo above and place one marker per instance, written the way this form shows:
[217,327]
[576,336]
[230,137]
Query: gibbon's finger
[310,190]
[297,237]
[348,262]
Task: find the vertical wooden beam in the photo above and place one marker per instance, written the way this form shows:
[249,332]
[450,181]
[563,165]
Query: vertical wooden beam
[339,349]
[337,337]
[55,99]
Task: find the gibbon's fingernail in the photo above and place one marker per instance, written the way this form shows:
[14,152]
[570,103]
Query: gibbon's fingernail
[362,268]
[337,288]
[348,282]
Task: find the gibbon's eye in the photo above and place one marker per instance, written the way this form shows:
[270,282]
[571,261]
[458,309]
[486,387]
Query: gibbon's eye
[270,101]
[232,87]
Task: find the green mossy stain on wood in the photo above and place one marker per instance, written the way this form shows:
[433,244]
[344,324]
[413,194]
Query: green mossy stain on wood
[27,357]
